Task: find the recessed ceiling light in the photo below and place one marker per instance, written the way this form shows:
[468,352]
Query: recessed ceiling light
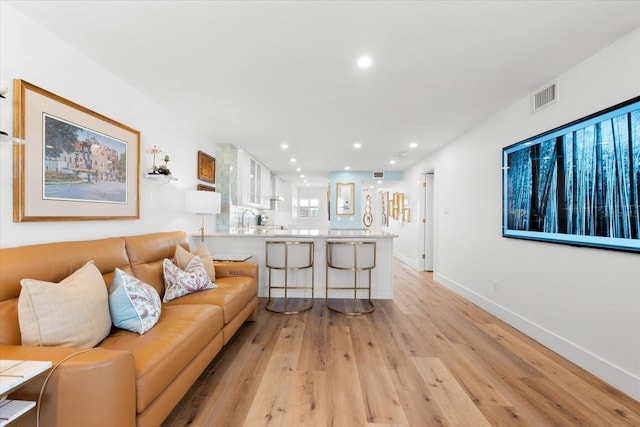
[413,145]
[292,160]
[365,61]
[347,168]
[301,175]
[298,169]
[357,145]
[379,182]
[392,162]
[284,146]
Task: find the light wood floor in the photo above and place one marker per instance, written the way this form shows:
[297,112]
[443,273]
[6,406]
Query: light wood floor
[427,358]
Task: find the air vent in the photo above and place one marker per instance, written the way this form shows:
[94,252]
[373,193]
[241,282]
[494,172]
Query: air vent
[544,97]
[378,174]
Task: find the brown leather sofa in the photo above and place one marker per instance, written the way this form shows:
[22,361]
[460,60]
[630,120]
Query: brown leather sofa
[128,379]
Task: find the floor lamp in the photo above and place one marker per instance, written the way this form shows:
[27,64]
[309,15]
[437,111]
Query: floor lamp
[203,203]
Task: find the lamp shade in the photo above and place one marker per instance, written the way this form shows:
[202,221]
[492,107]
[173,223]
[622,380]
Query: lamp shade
[203,202]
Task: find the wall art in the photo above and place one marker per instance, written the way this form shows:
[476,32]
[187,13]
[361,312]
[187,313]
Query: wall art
[206,167]
[577,184]
[76,164]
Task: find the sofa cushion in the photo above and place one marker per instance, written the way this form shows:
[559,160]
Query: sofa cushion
[183,257]
[133,304]
[179,282]
[73,313]
[146,252]
[189,328]
[231,294]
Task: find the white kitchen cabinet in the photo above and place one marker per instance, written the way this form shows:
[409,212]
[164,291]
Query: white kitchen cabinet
[254,182]
[265,187]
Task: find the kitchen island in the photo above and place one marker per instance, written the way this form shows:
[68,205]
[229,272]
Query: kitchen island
[251,241]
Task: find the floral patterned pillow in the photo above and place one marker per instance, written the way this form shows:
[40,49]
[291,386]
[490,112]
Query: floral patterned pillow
[178,282]
[134,304]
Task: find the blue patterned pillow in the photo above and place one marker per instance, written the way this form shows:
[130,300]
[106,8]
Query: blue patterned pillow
[134,304]
[178,282]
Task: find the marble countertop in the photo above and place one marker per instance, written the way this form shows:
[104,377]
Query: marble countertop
[335,233]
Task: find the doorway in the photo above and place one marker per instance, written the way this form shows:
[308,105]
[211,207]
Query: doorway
[428,219]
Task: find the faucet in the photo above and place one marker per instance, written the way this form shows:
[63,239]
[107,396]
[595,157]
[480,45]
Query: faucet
[244,213]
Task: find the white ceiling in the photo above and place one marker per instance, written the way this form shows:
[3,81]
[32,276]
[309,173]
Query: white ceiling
[259,74]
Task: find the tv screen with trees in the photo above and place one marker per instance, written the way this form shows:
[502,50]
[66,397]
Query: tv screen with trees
[578,184]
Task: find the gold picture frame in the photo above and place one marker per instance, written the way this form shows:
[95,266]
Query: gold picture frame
[385,208]
[397,208]
[345,194]
[206,167]
[406,215]
[81,165]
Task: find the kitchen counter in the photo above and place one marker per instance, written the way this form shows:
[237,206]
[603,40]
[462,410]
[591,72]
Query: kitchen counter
[251,241]
[276,232]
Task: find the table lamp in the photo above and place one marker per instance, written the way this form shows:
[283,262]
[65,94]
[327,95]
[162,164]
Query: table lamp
[203,203]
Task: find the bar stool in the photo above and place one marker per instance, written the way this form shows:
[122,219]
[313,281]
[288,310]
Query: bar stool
[289,256]
[356,256]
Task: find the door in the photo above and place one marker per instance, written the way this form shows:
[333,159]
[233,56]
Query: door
[427,220]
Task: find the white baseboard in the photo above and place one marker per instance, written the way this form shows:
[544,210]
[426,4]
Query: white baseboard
[619,378]
[409,261]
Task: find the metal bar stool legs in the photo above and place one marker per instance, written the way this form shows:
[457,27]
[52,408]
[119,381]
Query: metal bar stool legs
[356,256]
[289,257]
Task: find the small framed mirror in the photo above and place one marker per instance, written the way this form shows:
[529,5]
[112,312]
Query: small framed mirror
[345,192]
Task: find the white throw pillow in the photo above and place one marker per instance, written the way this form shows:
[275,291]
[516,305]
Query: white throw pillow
[72,313]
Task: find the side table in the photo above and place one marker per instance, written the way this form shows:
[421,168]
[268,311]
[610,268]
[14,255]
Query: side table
[13,375]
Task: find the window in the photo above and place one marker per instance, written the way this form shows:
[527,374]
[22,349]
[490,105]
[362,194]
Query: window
[309,208]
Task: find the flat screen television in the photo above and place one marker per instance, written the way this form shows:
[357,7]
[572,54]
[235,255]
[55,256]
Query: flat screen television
[577,184]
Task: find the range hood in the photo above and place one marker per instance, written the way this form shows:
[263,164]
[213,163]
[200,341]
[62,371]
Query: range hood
[275,189]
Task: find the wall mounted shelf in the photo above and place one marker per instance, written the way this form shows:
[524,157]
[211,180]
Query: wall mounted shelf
[159,177]
[6,139]
[164,179]
[4,136]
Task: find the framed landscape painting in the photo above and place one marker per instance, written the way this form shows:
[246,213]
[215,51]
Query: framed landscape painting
[75,164]
[578,184]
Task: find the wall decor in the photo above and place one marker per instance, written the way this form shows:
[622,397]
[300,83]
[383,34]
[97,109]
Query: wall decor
[367,218]
[406,215]
[345,192]
[81,165]
[398,206]
[329,201]
[393,210]
[154,151]
[577,184]
[202,187]
[206,167]
[385,208]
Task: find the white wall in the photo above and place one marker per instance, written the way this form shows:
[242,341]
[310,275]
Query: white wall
[31,53]
[583,303]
